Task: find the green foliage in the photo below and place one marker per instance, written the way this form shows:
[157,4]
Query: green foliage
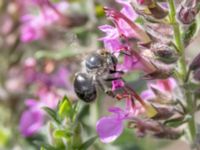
[4,136]
[65,128]
[176,122]
[189,33]
[53,114]
[65,108]
[88,143]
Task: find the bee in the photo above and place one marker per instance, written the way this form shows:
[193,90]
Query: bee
[99,68]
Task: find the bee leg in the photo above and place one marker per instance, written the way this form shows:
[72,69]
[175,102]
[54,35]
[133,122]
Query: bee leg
[105,88]
[116,71]
[108,91]
[123,52]
[125,96]
[112,78]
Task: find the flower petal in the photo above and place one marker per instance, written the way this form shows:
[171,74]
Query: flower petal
[31,121]
[109,128]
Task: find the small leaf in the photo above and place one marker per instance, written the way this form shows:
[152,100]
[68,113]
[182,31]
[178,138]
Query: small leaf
[177,121]
[99,11]
[4,136]
[65,108]
[88,143]
[62,134]
[195,63]
[189,33]
[52,114]
[42,148]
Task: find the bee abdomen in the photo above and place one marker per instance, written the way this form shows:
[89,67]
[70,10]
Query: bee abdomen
[84,87]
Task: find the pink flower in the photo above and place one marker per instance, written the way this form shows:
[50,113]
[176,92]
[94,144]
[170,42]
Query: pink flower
[127,9]
[34,26]
[111,40]
[33,118]
[117,84]
[111,127]
[31,121]
[123,38]
[32,29]
[126,26]
[165,86]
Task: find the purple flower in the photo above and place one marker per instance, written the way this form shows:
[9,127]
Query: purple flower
[34,26]
[117,84]
[126,26]
[32,119]
[123,37]
[111,40]
[127,9]
[165,86]
[111,127]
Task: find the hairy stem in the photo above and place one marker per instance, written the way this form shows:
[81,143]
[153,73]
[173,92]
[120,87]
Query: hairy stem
[182,67]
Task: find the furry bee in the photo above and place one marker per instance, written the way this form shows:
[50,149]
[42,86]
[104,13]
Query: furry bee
[99,68]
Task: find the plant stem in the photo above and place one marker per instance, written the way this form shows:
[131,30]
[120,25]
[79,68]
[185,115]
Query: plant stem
[182,67]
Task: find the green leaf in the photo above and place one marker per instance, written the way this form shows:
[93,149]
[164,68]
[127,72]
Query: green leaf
[4,136]
[42,148]
[62,134]
[99,11]
[88,143]
[177,121]
[65,108]
[189,33]
[52,114]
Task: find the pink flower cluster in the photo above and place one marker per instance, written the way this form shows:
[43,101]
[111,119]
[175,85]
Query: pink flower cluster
[122,39]
[111,127]
[34,25]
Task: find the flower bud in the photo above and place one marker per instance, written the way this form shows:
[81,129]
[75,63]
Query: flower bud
[164,113]
[188,11]
[197,74]
[155,127]
[195,63]
[156,10]
[186,15]
[164,53]
[169,133]
[167,56]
